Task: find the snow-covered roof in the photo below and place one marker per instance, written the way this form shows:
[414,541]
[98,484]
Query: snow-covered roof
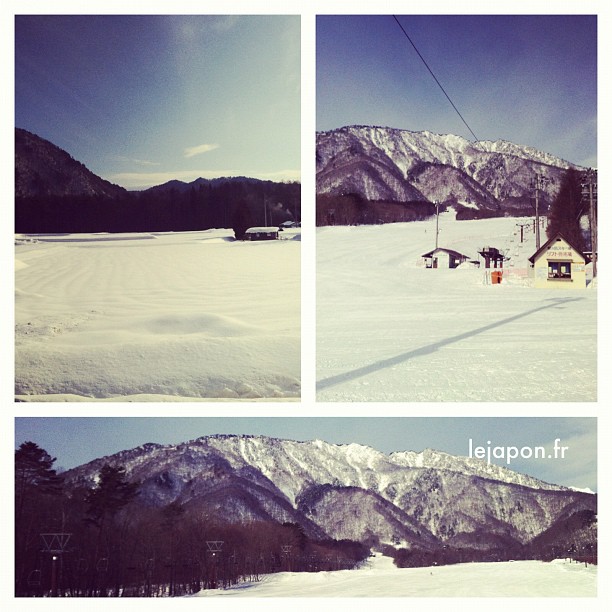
[449,251]
[261,230]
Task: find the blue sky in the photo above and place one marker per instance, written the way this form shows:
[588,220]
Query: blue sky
[77,440]
[529,79]
[144,99]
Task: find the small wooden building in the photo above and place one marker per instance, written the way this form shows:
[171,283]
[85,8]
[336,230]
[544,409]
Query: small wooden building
[559,265]
[443,258]
[261,233]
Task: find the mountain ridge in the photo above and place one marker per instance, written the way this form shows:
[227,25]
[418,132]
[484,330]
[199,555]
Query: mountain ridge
[428,458]
[500,145]
[325,488]
[44,169]
[56,193]
[390,164]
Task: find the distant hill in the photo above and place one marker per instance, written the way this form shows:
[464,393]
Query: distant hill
[182,186]
[43,169]
[56,193]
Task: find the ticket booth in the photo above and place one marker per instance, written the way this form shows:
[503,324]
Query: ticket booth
[559,265]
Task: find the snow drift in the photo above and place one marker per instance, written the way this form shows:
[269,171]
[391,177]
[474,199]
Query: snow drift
[170,316]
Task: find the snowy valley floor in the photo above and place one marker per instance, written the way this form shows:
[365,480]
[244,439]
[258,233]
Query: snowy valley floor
[389,329]
[380,578]
[188,316]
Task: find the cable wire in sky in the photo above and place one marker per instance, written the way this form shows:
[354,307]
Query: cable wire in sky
[435,78]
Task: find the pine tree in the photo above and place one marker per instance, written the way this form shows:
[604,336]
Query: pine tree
[566,210]
[241,220]
[112,493]
[33,474]
[37,502]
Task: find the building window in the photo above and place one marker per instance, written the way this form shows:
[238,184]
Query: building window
[560,270]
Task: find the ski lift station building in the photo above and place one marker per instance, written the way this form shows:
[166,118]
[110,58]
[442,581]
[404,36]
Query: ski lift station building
[443,258]
[559,265]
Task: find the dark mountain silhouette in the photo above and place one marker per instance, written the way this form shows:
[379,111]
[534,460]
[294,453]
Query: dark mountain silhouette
[43,169]
[56,193]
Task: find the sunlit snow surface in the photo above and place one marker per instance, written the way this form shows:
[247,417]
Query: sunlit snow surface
[389,329]
[172,316]
[380,578]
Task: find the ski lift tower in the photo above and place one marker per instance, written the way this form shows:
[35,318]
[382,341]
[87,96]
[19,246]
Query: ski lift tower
[214,550]
[55,544]
[286,554]
[538,185]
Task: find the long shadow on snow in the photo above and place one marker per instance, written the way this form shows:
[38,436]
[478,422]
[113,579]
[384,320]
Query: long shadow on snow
[332,381]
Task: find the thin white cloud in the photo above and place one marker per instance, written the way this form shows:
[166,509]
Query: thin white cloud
[138,162]
[281,175]
[199,149]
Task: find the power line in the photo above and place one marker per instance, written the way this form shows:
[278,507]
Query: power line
[435,78]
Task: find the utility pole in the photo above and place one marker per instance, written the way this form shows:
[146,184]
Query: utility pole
[589,190]
[437,219]
[538,185]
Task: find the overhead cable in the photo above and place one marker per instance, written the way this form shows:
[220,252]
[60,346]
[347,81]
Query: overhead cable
[435,78]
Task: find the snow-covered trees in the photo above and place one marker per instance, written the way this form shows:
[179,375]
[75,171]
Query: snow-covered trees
[34,475]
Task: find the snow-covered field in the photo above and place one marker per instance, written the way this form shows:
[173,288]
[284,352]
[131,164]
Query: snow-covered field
[167,317]
[380,578]
[389,329]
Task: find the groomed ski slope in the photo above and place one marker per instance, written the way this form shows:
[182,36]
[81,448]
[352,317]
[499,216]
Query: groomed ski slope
[389,329]
[167,317]
[380,578]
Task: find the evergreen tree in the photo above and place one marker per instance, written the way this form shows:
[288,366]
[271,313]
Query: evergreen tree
[241,220]
[34,474]
[566,209]
[111,494]
[37,505]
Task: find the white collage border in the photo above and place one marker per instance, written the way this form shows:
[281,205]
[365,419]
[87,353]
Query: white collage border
[307,406]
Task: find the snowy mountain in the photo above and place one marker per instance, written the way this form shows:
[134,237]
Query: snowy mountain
[347,491]
[380,163]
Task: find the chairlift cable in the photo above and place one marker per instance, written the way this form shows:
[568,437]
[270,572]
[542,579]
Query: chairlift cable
[435,78]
